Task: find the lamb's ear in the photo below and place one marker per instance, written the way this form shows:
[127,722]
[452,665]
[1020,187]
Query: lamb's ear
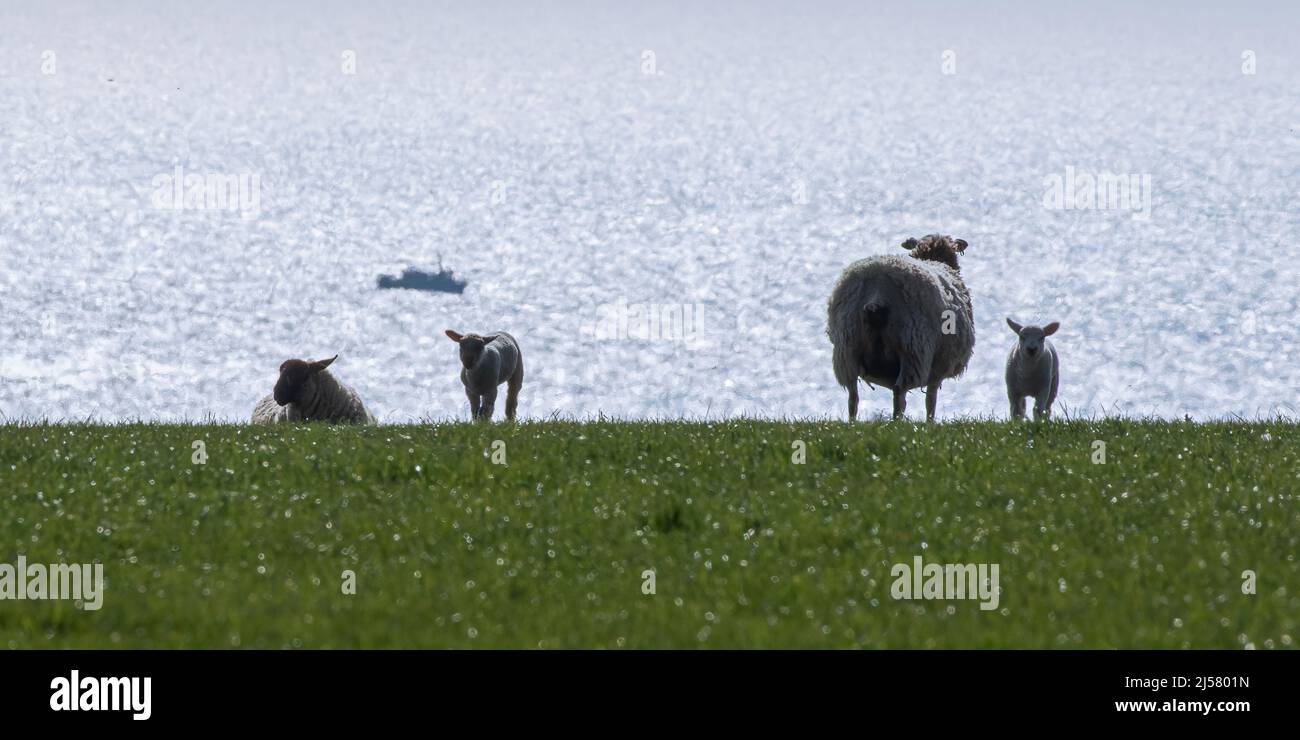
[1051,328]
[489,338]
[910,244]
[961,244]
[455,336]
[322,364]
[1014,326]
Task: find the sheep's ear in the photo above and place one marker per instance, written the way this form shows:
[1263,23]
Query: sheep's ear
[489,338]
[1014,326]
[455,336]
[910,244]
[1051,328]
[322,364]
[961,245]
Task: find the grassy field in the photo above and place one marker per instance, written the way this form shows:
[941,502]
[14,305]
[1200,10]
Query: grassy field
[451,548]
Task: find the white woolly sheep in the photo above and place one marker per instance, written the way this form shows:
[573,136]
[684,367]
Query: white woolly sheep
[902,322]
[1033,369]
[306,391]
[487,362]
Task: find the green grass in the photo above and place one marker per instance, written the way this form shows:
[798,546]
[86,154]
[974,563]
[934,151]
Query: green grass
[748,548]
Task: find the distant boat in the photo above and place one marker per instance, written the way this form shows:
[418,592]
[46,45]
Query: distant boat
[442,281]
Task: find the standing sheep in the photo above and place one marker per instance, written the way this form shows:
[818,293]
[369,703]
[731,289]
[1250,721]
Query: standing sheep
[306,391]
[1033,370]
[902,322]
[488,362]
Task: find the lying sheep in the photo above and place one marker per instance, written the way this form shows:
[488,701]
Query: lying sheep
[1033,370]
[902,322]
[306,391]
[488,362]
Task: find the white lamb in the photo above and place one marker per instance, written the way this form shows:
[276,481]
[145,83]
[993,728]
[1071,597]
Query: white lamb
[1033,370]
[306,391]
[487,362]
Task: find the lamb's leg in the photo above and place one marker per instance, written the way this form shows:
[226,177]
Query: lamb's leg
[1041,409]
[900,402]
[1051,395]
[512,401]
[473,403]
[489,402]
[1017,407]
[853,401]
[931,400]
[513,385]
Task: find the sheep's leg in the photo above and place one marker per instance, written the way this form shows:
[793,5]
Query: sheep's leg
[853,401]
[900,402]
[900,388]
[489,402]
[931,400]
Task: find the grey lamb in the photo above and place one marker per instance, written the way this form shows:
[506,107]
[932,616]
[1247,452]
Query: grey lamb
[902,322]
[1033,369]
[489,361]
[306,391]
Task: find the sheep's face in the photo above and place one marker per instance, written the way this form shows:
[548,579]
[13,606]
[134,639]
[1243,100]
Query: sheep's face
[1032,338]
[296,376]
[936,248]
[471,347]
